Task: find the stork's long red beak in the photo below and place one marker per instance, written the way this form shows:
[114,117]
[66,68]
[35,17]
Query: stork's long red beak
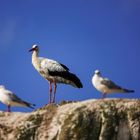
[31,49]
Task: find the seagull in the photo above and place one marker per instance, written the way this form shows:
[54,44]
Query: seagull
[10,99]
[54,72]
[106,86]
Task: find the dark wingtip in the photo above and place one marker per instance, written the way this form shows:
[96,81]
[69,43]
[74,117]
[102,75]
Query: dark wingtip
[132,91]
[80,85]
[76,80]
[32,106]
[128,90]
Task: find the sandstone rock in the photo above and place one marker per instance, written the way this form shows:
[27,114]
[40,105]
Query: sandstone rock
[108,119]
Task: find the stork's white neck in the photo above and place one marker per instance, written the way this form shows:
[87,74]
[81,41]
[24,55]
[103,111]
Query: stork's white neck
[35,60]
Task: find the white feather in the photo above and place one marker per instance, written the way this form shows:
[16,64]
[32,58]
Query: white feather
[51,65]
[9,98]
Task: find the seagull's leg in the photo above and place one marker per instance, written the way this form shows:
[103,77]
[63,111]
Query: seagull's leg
[50,99]
[9,108]
[104,95]
[55,86]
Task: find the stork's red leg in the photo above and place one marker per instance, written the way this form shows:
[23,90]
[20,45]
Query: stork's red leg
[55,86]
[9,108]
[50,98]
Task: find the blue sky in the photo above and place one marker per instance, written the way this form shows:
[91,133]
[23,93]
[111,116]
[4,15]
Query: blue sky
[85,35]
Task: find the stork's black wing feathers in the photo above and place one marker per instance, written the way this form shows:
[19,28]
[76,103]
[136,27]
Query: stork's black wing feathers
[65,67]
[68,76]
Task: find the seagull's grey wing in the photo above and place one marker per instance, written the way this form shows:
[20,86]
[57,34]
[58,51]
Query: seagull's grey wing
[110,84]
[15,98]
[52,65]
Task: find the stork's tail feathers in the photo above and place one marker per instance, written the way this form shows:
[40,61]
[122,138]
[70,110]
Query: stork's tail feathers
[128,90]
[75,80]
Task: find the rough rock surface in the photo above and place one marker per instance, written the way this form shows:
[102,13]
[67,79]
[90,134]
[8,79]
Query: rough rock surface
[108,119]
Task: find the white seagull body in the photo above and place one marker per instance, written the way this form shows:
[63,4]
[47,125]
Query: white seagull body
[10,99]
[106,86]
[54,72]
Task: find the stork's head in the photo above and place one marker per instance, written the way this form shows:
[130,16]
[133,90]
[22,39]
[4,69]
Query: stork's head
[97,72]
[34,48]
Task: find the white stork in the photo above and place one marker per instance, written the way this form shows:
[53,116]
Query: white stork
[10,99]
[54,72]
[106,86]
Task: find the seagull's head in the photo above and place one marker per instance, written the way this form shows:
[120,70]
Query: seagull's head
[97,72]
[2,87]
[34,48]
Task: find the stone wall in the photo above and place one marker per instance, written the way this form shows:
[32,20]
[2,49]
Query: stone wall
[108,119]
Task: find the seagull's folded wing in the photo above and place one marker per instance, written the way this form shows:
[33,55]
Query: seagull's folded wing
[110,84]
